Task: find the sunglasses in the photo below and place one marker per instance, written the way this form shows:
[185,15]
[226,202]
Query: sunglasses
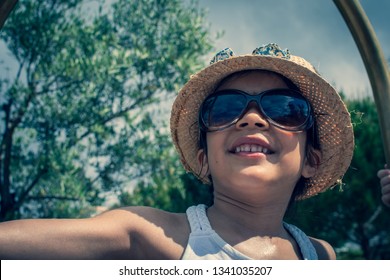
[284,108]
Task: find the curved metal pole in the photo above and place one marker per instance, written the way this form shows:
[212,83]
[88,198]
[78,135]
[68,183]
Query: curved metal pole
[6,7]
[374,61]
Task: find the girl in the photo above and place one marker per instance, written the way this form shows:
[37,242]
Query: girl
[264,129]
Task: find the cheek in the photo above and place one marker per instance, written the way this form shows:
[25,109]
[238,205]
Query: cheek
[293,141]
[302,145]
[215,150]
[294,146]
[213,161]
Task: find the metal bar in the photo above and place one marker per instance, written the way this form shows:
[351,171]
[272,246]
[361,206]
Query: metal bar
[374,61]
[6,7]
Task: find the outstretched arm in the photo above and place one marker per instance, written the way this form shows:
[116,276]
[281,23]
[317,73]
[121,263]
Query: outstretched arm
[98,237]
[384,176]
[128,233]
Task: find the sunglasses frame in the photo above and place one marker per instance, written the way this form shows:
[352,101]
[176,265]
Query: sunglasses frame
[257,99]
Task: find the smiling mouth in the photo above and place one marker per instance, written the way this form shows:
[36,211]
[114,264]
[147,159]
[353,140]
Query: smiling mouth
[251,148]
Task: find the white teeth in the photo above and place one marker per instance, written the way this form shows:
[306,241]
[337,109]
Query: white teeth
[251,148]
[255,149]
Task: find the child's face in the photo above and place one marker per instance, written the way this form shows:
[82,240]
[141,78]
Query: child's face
[271,172]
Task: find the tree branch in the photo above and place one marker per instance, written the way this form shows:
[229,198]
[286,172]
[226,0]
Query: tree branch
[5,160]
[53,197]
[6,7]
[117,114]
[25,192]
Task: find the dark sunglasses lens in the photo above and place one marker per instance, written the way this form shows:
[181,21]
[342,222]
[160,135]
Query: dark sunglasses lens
[222,110]
[286,109]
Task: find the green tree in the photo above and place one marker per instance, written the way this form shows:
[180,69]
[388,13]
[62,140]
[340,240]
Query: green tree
[351,217]
[83,100]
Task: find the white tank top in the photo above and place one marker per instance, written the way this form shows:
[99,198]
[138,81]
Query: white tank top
[204,243]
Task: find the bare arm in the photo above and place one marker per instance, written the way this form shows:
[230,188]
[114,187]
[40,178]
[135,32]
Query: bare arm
[116,234]
[63,239]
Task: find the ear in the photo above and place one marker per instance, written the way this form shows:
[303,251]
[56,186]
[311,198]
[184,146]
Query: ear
[203,163]
[312,161]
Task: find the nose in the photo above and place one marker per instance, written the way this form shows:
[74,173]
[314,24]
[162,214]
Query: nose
[252,118]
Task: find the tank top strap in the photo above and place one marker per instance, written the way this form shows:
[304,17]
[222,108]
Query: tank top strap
[307,249]
[197,218]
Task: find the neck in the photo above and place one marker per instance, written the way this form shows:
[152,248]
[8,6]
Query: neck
[261,219]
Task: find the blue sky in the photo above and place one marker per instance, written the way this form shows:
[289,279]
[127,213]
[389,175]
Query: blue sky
[313,29]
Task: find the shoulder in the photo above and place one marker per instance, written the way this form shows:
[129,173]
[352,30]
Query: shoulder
[153,233]
[324,250]
[137,217]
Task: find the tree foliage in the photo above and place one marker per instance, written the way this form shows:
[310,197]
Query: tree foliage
[77,118]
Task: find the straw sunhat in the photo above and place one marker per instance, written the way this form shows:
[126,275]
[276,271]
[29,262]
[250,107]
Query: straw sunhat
[332,117]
